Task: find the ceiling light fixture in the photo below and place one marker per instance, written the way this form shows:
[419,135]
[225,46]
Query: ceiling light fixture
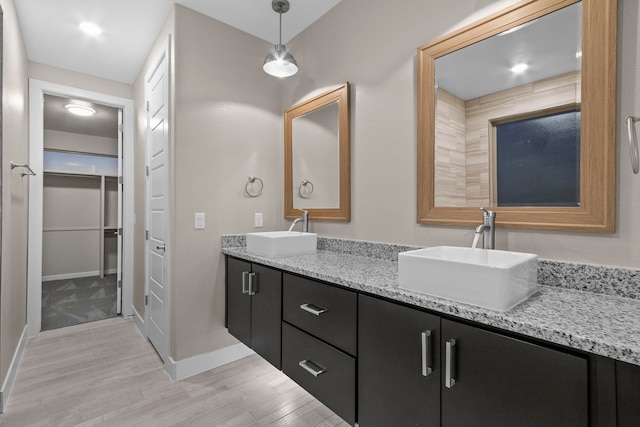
[80,110]
[519,68]
[516,28]
[90,29]
[280,63]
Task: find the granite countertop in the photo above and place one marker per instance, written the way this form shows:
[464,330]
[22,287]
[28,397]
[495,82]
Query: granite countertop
[598,323]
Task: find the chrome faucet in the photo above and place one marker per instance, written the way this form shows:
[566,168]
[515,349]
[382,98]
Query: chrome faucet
[488,229]
[304,219]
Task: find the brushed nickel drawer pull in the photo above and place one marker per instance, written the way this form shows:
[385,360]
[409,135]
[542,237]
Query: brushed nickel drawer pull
[245,282]
[253,283]
[450,370]
[311,367]
[426,353]
[315,310]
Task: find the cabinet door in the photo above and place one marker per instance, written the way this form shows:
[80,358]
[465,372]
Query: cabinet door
[266,313]
[392,387]
[238,302]
[628,391]
[501,381]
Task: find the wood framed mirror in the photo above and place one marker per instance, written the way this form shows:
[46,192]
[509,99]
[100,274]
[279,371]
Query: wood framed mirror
[592,208]
[317,157]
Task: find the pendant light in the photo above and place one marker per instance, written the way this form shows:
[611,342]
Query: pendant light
[280,63]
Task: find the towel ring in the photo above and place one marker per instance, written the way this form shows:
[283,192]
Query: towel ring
[250,181]
[633,143]
[304,184]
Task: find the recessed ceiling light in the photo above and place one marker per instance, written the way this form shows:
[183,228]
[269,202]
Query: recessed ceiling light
[516,28]
[80,110]
[90,29]
[519,68]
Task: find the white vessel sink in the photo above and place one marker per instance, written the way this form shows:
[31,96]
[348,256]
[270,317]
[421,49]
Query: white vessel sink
[492,279]
[276,244]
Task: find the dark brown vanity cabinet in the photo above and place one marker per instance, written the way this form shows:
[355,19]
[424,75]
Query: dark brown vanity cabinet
[628,394]
[477,378]
[398,365]
[254,307]
[493,380]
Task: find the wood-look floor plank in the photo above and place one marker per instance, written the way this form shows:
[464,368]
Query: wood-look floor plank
[106,373]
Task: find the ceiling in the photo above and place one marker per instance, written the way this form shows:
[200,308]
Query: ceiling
[56,117]
[130,27]
[548,45]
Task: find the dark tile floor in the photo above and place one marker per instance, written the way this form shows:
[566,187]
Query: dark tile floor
[73,301]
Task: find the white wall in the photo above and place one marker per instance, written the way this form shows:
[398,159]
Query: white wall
[373,46]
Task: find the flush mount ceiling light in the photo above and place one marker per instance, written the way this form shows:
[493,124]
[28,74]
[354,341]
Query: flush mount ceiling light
[80,110]
[90,29]
[280,63]
[519,68]
[516,28]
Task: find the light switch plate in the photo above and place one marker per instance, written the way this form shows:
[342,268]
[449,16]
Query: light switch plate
[258,220]
[198,221]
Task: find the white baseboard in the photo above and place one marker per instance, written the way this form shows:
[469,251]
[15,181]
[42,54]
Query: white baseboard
[139,322]
[70,275]
[5,392]
[203,362]
[112,271]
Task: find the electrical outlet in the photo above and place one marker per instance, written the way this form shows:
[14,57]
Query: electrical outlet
[258,220]
[198,221]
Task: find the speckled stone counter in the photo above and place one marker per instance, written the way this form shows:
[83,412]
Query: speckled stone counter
[597,320]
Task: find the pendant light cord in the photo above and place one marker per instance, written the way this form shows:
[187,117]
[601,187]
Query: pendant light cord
[280,38]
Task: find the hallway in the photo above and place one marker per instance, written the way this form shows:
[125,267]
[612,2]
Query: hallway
[106,373]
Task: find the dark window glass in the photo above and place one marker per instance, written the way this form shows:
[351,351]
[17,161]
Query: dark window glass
[538,161]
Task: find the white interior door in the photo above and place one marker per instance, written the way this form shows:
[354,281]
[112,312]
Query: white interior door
[157,310]
[120,205]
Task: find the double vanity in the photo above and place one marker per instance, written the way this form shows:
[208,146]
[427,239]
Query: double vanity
[344,324]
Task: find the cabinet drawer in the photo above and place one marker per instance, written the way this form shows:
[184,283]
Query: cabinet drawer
[333,381]
[324,311]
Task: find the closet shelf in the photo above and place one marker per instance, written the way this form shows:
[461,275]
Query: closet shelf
[49,229]
[79,174]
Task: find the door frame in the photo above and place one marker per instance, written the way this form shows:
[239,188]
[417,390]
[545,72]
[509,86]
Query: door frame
[37,90]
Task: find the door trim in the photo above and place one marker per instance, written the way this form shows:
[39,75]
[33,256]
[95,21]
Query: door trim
[37,90]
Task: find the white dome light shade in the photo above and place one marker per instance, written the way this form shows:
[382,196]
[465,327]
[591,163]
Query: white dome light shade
[90,29]
[280,63]
[80,110]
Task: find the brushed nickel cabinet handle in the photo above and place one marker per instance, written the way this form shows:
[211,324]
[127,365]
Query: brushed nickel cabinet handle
[311,367]
[245,282]
[426,353]
[315,310]
[449,372]
[253,284]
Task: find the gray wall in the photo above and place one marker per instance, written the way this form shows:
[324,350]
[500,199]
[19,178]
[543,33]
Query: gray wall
[226,124]
[15,189]
[374,46]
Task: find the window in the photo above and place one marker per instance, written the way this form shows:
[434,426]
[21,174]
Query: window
[538,160]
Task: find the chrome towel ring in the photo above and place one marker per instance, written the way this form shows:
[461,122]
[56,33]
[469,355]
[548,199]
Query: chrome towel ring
[633,143]
[307,193]
[252,179]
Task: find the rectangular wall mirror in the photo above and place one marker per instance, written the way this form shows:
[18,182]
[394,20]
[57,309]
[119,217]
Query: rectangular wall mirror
[521,119]
[317,157]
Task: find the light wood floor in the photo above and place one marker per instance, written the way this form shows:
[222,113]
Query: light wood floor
[106,374]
